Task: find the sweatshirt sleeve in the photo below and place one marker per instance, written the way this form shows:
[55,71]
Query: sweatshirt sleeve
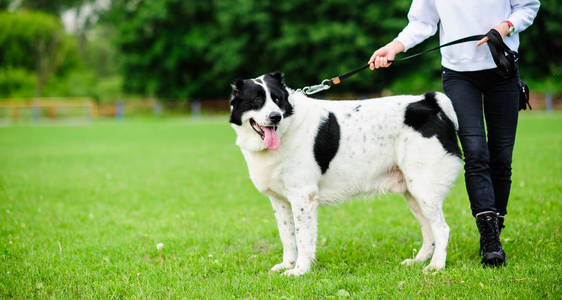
[523,12]
[422,23]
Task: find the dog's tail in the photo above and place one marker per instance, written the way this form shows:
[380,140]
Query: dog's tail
[445,103]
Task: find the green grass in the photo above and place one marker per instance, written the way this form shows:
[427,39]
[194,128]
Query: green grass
[109,192]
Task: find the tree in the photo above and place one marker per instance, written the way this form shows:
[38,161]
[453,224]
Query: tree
[36,43]
[541,46]
[54,7]
[4,4]
[178,49]
[163,45]
[187,48]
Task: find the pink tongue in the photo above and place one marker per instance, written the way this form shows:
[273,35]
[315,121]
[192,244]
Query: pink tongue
[271,139]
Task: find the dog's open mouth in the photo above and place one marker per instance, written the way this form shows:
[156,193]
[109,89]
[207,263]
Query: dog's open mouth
[268,134]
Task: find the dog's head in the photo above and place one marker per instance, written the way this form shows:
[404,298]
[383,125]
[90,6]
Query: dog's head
[259,109]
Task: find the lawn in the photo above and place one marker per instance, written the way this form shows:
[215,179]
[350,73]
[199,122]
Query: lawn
[82,208]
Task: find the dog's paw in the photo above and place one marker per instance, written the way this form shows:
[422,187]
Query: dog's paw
[295,272]
[409,261]
[282,266]
[433,267]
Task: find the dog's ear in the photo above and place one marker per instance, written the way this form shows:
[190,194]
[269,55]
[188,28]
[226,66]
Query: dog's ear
[237,86]
[277,75]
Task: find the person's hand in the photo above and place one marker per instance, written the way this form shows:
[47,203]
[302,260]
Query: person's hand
[502,28]
[380,58]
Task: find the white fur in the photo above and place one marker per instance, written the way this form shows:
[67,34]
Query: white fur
[377,153]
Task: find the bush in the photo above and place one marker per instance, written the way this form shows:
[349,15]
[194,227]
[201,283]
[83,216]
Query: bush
[82,82]
[16,82]
[36,43]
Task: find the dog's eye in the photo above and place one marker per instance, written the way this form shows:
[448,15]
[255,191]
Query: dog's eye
[276,100]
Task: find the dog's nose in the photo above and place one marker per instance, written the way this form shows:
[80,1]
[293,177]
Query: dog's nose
[275,117]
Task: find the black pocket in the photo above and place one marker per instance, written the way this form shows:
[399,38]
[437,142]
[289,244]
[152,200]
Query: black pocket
[523,95]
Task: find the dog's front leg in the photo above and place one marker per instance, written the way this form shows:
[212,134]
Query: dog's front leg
[286,225]
[305,215]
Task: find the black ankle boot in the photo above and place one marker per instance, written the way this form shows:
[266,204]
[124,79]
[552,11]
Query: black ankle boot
[491,247]
[501,219]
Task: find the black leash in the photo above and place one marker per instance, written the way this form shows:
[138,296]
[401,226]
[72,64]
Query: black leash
[328,83]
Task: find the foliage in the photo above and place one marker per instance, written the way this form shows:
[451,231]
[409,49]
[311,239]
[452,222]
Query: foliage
[541,46]
[82,82]
[193,49]
[176,48]
[35,42]
[83,207]
[16,82]
[96,75]
[4,4]
[100,55]
[163,44]
[37,58]
[54,7]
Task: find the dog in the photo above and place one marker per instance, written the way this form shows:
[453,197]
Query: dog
[303,152]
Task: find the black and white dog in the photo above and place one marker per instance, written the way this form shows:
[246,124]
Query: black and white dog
[303,152]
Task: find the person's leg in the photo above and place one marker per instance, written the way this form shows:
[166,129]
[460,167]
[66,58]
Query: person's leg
[467,102]
[464,89]
[501,108]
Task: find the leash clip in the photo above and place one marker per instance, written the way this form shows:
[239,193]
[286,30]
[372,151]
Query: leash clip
[313,89]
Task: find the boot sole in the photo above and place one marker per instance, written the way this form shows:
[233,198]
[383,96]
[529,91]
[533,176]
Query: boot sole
[493,258]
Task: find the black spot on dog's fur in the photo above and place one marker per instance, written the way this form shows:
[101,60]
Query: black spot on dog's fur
[427,117]
[327,142]
[356,109]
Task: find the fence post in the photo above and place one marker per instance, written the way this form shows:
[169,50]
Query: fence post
[195,108]
[157,108]
[548,100]
[120,111]
[35,111]
[90,111]
[15,113]
[95,110]
[52,112]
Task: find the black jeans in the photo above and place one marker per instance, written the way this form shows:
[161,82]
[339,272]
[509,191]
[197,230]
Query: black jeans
[477,96]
